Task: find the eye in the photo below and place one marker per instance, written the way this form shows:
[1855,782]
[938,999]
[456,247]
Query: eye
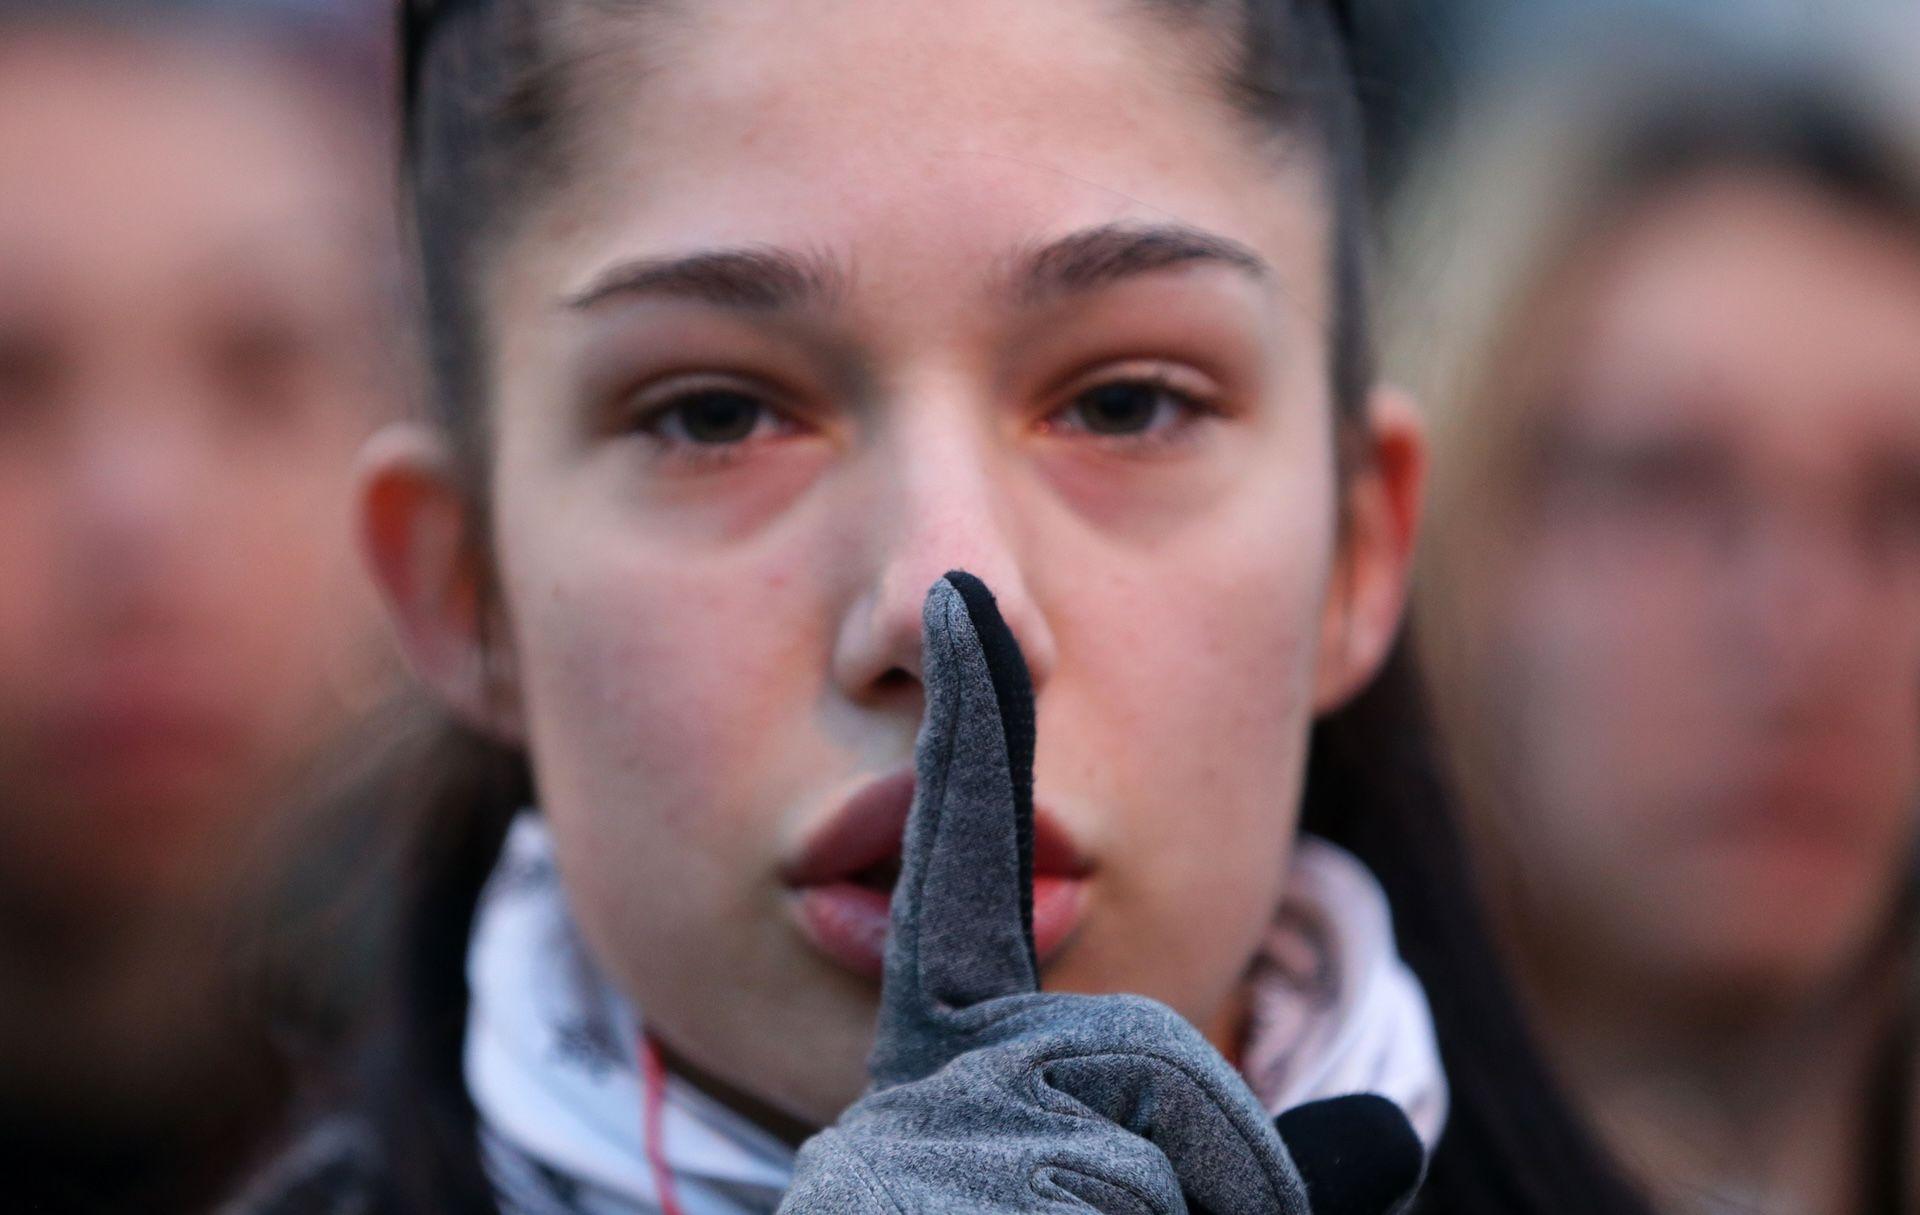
[31,371]
[265,369]
[710,417]
[1133,408]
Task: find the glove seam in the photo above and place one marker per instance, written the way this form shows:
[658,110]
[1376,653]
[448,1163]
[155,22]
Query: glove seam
[1146,1200]
[1064,1103]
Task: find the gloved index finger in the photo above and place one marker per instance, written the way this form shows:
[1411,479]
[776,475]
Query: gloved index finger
[962,914]
[1013,692]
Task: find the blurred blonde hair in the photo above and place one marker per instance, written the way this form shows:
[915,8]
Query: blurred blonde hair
[1593,120]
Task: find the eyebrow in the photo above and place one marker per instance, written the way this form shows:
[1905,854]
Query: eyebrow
[1112,253]
[757,278]
[764,278]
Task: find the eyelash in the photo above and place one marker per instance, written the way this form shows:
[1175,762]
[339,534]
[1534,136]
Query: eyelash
[1193,407]
[657,420]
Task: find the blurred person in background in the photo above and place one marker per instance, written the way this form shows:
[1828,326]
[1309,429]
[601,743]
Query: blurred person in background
[195,335]
[1417,58]
[1663,298]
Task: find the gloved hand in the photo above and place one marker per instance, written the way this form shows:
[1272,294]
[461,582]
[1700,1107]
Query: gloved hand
[989,1095]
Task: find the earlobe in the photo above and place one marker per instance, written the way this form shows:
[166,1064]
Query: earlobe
[416,531]
[1367,594]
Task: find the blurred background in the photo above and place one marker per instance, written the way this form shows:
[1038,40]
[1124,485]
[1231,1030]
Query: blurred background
[198,328]
[1652,269]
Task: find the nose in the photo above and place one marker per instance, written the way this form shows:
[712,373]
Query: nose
[134,496]
[944,497]
[1804,599]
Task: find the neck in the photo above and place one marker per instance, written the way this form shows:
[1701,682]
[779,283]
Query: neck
[103,1017]
[1755,1096]
[777,1122]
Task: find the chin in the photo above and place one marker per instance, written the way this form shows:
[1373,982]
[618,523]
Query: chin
[1794,916]
[1767,958]
[810,1064]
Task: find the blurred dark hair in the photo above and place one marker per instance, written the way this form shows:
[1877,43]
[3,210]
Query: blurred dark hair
[493,105]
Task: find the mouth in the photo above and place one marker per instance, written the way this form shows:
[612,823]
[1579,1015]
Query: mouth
[880,878]
[145,741]
[843,877]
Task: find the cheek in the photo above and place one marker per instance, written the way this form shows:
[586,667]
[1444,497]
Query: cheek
[638,684]
[1601,692]
[309,601]
[662,690]
[1202,678]
[1185,733]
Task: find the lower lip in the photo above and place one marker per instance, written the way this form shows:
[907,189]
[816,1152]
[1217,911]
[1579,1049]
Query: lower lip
[848,923]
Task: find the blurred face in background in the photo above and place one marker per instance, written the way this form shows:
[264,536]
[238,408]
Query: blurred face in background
[188,358]
[1706,654]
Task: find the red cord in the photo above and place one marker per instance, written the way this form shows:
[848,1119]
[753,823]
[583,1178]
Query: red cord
[654,1088]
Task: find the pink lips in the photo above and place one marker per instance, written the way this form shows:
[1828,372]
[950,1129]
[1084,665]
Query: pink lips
[842,878]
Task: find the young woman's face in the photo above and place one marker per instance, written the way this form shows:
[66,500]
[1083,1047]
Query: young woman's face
[188,361]
[1709,652]
[834,303]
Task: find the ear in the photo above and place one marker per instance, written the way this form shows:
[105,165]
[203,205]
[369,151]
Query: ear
[1367,594]
[418,534]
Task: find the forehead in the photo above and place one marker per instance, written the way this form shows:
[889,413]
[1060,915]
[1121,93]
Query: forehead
[1757,304]
[139,156]
[876,128]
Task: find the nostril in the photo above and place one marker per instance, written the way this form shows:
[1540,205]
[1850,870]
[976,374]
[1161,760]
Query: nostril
[894,679]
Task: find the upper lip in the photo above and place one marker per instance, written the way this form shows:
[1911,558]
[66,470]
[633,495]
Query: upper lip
[866,830]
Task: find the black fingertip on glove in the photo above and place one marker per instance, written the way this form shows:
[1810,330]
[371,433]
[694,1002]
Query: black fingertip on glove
[1013,689]
[1359,1155]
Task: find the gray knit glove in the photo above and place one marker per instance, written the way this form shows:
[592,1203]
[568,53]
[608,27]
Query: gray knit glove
[988,1094]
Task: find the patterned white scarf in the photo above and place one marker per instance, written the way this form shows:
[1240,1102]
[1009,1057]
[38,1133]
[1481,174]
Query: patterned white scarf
[577,1118]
